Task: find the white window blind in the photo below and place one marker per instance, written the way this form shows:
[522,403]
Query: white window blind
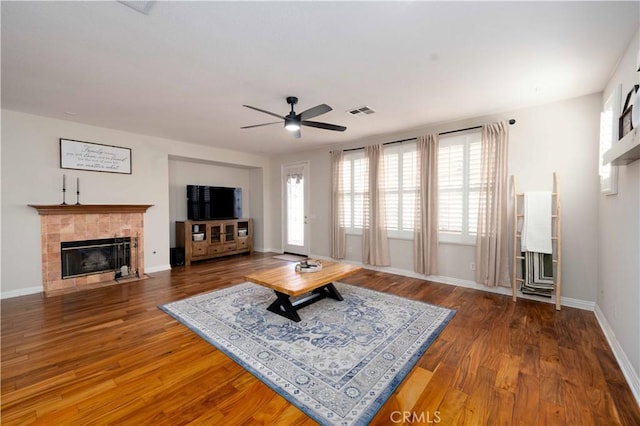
[473,186]
[353,188]
[400,187]
[399,183]
[458,187]
[450,187]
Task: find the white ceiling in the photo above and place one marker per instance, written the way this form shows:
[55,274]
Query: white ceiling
[184,70]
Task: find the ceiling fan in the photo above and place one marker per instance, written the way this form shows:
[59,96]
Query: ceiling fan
[293,121]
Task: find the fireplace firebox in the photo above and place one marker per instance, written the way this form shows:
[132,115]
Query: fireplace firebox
[89,257]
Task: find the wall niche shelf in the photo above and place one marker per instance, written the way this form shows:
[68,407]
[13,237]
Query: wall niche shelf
[625,151]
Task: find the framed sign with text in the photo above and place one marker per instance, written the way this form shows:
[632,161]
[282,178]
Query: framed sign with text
[96,157]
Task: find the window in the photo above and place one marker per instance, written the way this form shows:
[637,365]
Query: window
[459,187]
[608,133]
[399,182]
[400,188]
[352,188]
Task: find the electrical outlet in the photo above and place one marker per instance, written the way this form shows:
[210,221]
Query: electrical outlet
[472,266]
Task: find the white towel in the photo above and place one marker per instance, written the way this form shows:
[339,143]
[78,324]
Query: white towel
[536,227]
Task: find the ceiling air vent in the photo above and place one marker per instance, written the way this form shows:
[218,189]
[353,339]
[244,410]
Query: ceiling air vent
[361,110]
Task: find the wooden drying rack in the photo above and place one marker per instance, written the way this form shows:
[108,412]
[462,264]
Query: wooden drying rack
[556,242]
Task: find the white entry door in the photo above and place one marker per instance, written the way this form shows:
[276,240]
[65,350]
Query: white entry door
[295,202]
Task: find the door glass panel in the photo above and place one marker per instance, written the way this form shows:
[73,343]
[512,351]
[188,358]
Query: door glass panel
[295,210]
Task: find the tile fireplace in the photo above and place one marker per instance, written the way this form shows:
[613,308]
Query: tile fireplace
[84,246]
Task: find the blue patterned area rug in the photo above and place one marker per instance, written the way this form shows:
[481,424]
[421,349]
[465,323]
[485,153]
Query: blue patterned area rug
[339,364]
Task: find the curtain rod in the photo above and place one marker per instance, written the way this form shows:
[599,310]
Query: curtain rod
[511,121]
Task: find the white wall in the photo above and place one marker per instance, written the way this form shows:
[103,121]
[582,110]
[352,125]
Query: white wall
[183,173]
[256,200]
[619,224]
[31,174]
[560,137]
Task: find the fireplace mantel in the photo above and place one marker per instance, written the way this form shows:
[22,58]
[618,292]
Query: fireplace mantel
[90,208]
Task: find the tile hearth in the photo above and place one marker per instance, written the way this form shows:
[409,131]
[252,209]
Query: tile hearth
[84,222]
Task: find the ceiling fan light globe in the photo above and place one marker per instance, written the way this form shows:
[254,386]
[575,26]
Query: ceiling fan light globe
[291,125]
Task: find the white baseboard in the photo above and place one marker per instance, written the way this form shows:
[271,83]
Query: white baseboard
[21,292]
[564,301]
[267,250]
[623,361]
[160,268]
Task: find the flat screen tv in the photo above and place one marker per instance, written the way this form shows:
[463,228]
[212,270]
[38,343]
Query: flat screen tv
[213,202]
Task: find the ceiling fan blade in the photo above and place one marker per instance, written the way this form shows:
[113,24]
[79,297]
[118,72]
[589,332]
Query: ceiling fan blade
[266,112]
[325,126]
[263,124]
[314,112]
[296,134]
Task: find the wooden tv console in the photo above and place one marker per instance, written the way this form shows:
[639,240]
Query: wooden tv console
[208,239]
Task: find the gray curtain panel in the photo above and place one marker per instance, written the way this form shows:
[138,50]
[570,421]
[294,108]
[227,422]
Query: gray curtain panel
[492,253]
[338,234]
[375,244]
[425,241]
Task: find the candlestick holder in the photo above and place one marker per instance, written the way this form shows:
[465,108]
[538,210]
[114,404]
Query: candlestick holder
[77,198]
[64,190]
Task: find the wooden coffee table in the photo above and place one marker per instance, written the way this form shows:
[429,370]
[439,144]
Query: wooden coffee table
[286,282]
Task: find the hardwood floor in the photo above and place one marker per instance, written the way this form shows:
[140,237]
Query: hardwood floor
[110,356]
